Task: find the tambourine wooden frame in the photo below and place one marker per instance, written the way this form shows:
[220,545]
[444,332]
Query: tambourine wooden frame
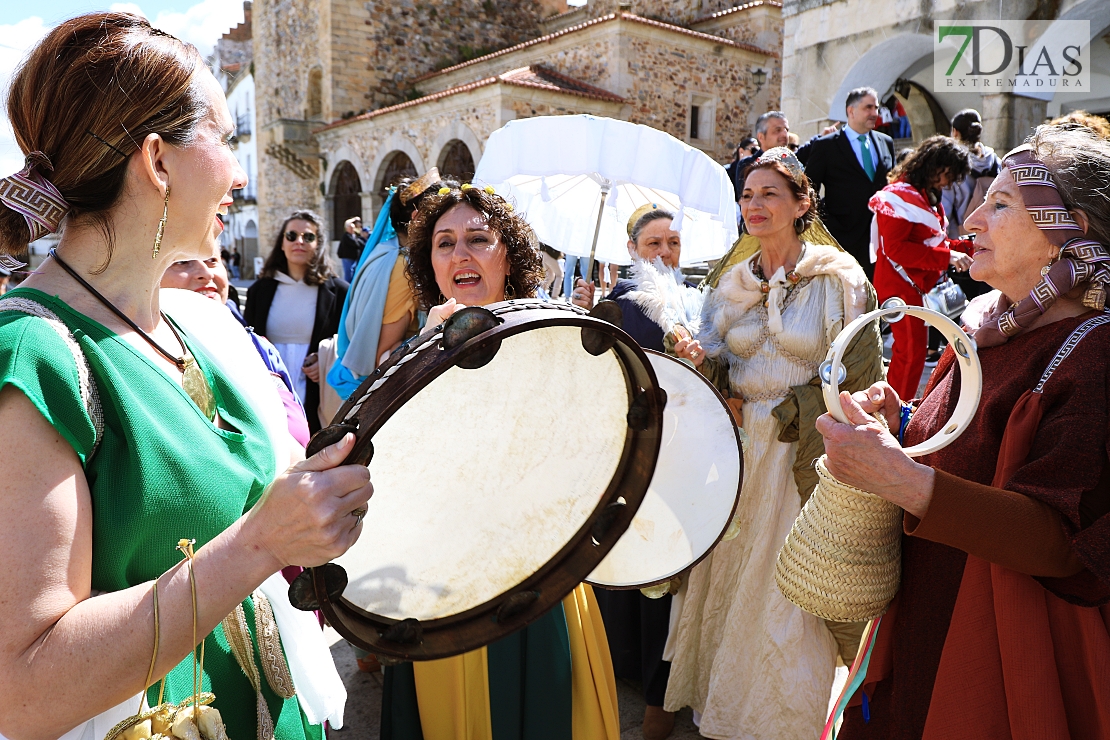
[424,360]
[971,373]
[735,502]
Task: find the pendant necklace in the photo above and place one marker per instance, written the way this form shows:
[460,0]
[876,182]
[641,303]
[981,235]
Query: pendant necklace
[193,381]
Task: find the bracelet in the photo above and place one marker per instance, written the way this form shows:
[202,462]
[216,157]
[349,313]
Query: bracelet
[903,422]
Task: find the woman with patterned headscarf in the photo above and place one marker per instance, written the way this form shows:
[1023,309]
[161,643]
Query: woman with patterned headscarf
[1002,624]
[751,663]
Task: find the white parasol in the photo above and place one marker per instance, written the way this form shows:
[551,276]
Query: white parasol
[577,179]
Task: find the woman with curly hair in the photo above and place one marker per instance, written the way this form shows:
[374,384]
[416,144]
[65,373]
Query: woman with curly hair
[297,301]
[913,250]
[554,679]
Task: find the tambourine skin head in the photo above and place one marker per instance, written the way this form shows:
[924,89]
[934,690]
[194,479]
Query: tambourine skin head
[464,544]
[694,490]
[971,372]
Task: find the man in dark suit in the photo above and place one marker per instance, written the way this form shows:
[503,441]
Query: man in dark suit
[852,165]
[771,130]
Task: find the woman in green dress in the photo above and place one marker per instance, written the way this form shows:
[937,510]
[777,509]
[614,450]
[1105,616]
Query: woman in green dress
[119,435]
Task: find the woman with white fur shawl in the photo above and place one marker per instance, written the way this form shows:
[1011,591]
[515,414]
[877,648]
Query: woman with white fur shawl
[750,663]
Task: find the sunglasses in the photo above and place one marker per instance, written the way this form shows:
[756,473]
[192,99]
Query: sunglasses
[291,236]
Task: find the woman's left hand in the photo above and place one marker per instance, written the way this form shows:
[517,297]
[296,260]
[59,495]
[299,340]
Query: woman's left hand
[865,455]
[311,367]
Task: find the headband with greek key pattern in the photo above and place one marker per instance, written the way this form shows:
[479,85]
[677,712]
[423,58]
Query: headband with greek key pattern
[1081,260]
[34,197]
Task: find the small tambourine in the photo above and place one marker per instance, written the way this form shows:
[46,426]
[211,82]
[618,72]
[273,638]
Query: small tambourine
[832,370]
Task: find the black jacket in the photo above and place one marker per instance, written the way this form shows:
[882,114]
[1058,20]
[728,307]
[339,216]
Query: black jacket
[635,322]
[329,307]
[830,161]
[350,247]
[736,169]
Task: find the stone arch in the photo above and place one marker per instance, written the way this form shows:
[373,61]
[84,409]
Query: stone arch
[1095,11]
[457,131]
[396,165]
[456,161]
[880,67]
[387,150]
[345,194]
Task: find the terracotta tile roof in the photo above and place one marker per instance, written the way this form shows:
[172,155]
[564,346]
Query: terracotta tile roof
[543,78]
[411,103]
[736,9]
[596,21]
[232,68]
[536,76]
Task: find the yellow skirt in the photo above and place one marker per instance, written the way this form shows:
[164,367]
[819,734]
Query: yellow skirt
[454,692]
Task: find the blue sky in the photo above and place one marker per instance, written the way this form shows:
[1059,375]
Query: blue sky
[22,24]
[52,11]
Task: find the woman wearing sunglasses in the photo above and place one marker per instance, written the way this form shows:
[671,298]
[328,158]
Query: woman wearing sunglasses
[297,301]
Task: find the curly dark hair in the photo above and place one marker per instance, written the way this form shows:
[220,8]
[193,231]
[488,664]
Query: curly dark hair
[934,156]
[319,269]
[799,186]
[521,245]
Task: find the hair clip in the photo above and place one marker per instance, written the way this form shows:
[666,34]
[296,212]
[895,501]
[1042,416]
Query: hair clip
[489,189]
[466,186]
[444,191]
[508,206]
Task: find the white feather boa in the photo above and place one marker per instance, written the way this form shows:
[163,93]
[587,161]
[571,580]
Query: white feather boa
[665,298]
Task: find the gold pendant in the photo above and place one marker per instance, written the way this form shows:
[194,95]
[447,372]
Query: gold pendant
[196,385]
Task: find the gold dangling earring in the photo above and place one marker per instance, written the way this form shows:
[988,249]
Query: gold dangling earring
[161,225]
[510,291]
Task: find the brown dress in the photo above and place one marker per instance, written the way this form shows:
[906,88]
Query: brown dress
[1002,625]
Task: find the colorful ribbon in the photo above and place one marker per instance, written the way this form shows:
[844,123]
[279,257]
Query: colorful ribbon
[34,197]
[1081,260]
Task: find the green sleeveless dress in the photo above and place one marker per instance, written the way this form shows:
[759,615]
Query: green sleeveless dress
[160,472]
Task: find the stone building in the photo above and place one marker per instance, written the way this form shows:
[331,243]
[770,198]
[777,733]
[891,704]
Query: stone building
[353,95]
[832,46]
[232,62]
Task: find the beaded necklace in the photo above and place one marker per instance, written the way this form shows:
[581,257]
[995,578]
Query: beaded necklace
[792,281]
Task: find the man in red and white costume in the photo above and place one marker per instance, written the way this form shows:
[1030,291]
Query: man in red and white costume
[911,249]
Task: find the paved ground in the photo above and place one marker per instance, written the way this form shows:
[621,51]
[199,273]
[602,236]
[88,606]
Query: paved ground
[362,719]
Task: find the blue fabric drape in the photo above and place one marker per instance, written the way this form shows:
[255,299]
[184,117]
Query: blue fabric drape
[360,324]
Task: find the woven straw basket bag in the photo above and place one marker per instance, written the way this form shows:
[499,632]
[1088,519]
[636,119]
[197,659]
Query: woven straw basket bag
[842,560]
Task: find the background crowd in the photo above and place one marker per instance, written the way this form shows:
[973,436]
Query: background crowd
[831,228]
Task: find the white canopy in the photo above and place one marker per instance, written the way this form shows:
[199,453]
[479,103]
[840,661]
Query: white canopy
[555,169]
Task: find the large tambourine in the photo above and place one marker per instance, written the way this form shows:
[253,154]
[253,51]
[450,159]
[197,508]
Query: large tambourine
[510,448]
[695,488]
[842,560]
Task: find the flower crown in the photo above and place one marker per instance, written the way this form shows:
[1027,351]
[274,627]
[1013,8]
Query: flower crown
[470,186]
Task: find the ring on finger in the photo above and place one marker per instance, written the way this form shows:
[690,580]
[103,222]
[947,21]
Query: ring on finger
[358,514]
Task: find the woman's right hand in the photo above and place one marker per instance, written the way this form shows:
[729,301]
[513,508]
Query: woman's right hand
[438,314]
[881,397]
[959,260]
[690,349]
[306,516]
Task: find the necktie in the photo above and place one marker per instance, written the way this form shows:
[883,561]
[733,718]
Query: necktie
[868,164]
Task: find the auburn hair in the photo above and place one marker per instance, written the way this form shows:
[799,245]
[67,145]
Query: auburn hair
[86,97]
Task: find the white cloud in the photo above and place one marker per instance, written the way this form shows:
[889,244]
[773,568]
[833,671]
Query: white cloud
[200,25]
[15,41]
